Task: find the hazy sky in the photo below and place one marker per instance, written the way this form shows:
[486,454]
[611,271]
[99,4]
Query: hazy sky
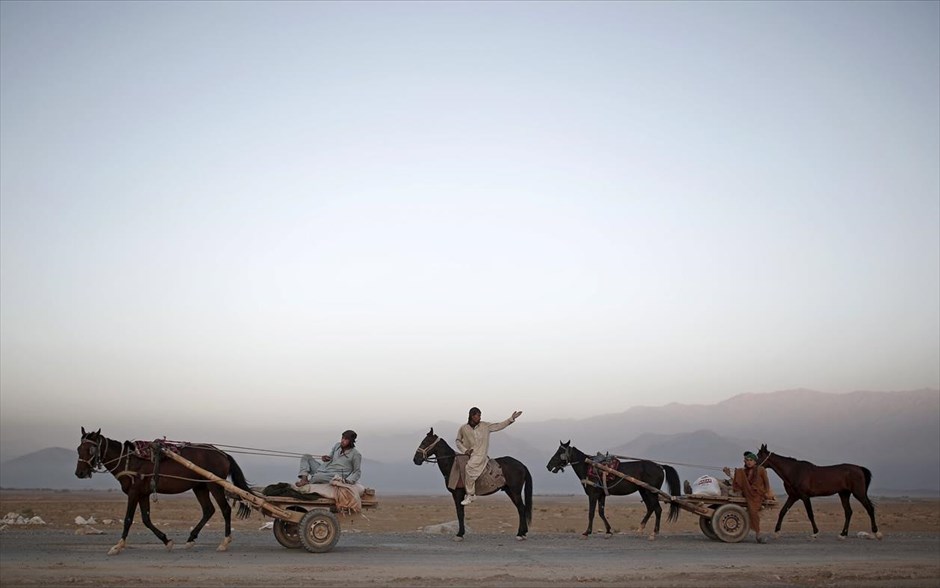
[356,213]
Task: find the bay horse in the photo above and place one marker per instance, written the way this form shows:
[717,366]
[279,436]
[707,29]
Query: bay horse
[97,453]
[647,471]
[803,480]
[434,449]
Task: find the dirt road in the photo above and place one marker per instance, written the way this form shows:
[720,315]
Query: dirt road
[388,549]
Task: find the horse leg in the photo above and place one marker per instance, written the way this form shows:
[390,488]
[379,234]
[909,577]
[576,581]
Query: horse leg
[592,504]
[870,509]
[128,520]
[653,501]
[145,517]
[516,498]
[649,512]
[202,495]
[219,494]
[812,519]
[459,495]
[601,503]
[844,496]
[791,500]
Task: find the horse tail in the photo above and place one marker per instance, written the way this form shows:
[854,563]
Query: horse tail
[867,473]
[238,478]
[528,496]
[675,489]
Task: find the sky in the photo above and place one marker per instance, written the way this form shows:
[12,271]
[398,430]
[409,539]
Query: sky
[289,215]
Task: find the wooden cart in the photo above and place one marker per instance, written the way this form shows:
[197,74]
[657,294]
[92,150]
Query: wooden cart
[309,523]
[722,518]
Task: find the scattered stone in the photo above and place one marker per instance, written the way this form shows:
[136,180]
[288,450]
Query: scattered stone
[444,528]
[86,530]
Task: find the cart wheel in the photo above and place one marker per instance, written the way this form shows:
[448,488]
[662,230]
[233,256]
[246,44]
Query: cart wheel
[730,523]
[705,524]
[288,533]
[319,531]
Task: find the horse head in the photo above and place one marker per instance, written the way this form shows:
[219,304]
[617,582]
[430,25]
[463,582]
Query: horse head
[561,459]
[763,453]
[426,447]
[89,453]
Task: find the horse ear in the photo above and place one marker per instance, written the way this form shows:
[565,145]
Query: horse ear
[763,447]
[98,432]
[83,431]
[431,432]
[567,443]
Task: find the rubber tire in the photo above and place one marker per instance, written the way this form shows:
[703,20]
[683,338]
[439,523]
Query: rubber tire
[287,533]
[319,531]
[705,524]
[730,523]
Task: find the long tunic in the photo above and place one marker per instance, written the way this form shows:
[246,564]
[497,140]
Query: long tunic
[345,464]
[753,484]
[478,439]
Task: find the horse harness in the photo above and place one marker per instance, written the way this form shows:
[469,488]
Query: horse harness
[593,477]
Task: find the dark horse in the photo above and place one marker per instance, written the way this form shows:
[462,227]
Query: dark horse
[803,480]
[647,471]
[518,480]
[97,452]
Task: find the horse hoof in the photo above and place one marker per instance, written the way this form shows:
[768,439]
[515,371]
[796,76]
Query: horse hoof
[814,537]
[841,537]
[189,544]
[114,550]
[169,545]
[879,536]
[225,543]
[777,535]
[458,539]
[651,538]
[608,535]
[521,537]
[584,535]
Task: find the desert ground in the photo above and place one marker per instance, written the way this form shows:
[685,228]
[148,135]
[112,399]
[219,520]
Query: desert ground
[389,546]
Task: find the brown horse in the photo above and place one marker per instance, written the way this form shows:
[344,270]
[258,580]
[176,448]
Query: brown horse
[136,475]
[803,480]
[518,486]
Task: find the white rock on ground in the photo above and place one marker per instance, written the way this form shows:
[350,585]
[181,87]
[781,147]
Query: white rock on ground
[444,528]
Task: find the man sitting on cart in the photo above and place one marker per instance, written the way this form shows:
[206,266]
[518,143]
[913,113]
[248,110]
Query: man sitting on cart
[343,461]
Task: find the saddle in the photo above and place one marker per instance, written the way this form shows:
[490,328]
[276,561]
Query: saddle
[491,480]
[599,477]
[145,449]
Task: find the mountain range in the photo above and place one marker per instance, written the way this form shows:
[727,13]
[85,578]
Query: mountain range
[895,434]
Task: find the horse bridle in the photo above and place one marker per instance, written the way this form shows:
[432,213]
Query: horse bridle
[424,451]
[566,455]
[94,461]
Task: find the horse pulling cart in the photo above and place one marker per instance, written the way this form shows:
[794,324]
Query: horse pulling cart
[721,518]
[308,523]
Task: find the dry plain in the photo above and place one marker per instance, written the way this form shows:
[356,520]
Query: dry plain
[388,547]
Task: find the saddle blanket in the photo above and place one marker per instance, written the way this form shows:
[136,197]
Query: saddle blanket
[491,480]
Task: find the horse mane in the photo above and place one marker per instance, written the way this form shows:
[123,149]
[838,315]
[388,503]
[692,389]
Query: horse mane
[793,459]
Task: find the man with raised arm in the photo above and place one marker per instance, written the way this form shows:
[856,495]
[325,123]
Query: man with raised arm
[474,440]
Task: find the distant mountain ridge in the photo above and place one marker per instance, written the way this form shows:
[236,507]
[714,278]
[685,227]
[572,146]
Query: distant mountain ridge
[895,434]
